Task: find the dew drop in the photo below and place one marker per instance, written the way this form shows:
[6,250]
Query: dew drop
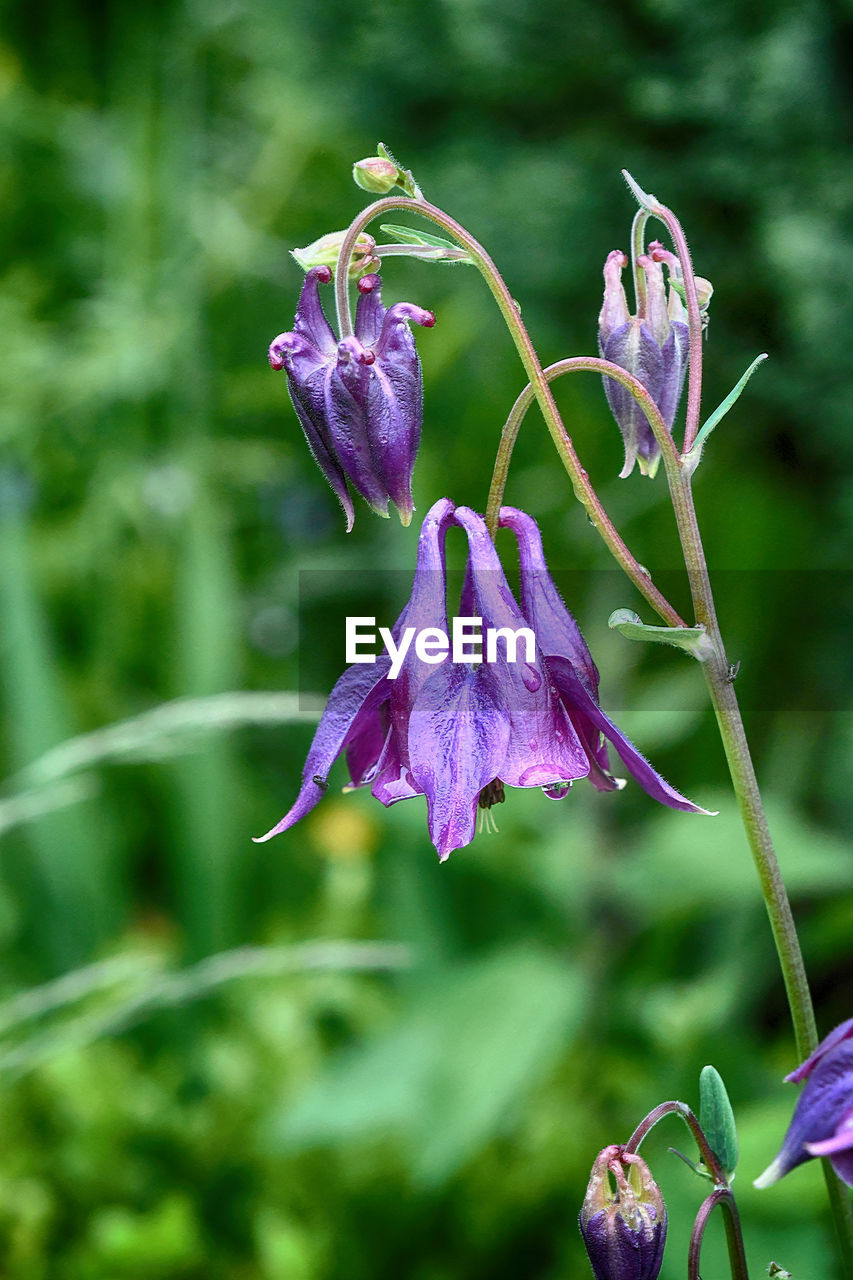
[531,677]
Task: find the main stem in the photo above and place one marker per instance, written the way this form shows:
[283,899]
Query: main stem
[742,771]
[724,701]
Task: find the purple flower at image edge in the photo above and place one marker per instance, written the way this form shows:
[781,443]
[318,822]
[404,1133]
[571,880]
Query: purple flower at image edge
[458,733]
[360,400]
[822,1123]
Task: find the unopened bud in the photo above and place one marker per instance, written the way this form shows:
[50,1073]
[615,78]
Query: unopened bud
[326,251]
[375,174]
[623,1218]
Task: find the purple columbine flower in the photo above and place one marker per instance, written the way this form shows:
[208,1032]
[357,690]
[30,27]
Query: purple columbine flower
[458,732]
[623,1218]
[360,400]
[822,1123]
[653,345]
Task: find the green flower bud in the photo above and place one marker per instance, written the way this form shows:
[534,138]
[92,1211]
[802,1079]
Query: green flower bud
[376,174]
[326,251]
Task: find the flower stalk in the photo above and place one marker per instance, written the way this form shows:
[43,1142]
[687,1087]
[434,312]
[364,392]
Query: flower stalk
[583,489]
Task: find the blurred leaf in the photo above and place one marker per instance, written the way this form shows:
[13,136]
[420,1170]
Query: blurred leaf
[454,1069]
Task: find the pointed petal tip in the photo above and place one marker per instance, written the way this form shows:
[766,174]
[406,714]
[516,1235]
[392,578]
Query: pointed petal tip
[771,1174]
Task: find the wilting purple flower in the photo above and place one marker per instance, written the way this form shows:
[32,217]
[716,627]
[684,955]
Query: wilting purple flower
[458,732]
[822,1123]
[653,345]
[623,1223]
[359,400]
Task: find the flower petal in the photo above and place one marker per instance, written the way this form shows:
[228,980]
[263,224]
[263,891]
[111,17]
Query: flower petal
[310,320]
[355,697]
[555,628]
[842,1032]
[823,1111]
[575,696]
[458,735]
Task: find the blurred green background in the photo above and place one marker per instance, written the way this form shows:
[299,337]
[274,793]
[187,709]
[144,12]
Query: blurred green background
[328,1056]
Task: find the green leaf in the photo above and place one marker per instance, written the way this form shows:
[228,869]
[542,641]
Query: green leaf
[692,640]
[442,250]
[692,457]
[467,1051]
[717,1119]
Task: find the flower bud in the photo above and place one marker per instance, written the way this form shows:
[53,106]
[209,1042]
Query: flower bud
[326,251]
[623,1218]
[375,174]
[652,345]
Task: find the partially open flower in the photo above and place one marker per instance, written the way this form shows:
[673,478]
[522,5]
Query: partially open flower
[651,344]
[822,1123]
[623,1218]
[360,400]
[458,730]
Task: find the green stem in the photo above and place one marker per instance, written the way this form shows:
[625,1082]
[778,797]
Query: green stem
[583,490]
[734,1235]
[721,1195]
[730,725]
[509,435]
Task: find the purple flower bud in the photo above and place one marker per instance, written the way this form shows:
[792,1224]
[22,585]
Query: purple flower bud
[822,1123]
[623,1218]
[652,345]
[359,400]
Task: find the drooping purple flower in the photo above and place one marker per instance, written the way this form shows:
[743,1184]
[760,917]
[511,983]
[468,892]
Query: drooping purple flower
[623,1218]
[822,1123]
[652,345]
[360,400]
[458,732]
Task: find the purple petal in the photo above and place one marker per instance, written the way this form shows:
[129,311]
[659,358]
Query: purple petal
[674,353]
[314,428]
[458,734]
[839,1033]
[556,630]
[823,1111]
[575,696]
[348,416]
[543,748]
[393,781]
[355,697]
[369,312]
[633,348]
[310,321]
[427,607]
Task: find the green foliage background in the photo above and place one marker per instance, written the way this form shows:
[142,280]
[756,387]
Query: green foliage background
[427,1105]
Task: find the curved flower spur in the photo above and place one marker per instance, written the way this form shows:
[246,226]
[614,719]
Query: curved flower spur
[457,732]
[360,400]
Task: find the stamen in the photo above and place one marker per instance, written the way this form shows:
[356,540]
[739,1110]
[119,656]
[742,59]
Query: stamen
[491,794]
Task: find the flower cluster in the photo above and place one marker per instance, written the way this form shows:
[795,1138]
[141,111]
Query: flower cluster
[459,732]
[359,400]
[822,1124]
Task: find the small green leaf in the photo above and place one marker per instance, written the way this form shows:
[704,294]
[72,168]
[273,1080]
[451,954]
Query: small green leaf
[691,459]
[717,1119]
[697,1166]
[441,250]
[692,640]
